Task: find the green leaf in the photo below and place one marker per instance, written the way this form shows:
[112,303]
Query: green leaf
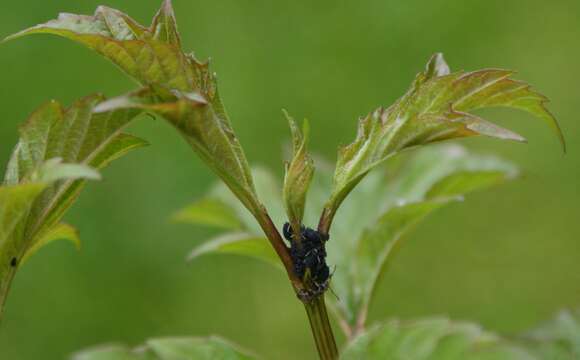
[60,231]
[16,203]
[184,348]
[164,26]
[209,212]
[150,55]
[75,135]
[558,338]
[179,87]
[383,210]
[221,208]
[196,349]
[299,173]
[53,170]
[58,148]
[114,352]
[206,128]
[437,107]
[242,244]
[432,339]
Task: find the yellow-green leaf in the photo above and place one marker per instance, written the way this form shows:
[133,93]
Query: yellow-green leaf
[242,244]
[60,231]
[210,212]
[58,148]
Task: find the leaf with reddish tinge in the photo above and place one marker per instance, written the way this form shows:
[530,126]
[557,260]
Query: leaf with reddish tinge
[179,87]
[437,107]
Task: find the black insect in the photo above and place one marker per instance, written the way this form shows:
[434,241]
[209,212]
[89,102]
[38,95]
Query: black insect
[309,253]
[13,262]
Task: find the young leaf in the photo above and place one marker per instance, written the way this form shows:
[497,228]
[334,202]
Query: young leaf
[210,212]
[16,202]
[57,147]
[432,339]
[299,172]
[196,348]
[220,208]
[60,231]
[169,349]
[180,88]
[206,128]
[437,107]
[150,55]
[76,135]
[242,244]
[431,179]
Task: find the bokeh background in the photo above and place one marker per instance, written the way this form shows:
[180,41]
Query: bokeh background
[507,258]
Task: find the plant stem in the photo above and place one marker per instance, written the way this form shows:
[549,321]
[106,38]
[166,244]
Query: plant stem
[315,307]
[279,246]
[321,329]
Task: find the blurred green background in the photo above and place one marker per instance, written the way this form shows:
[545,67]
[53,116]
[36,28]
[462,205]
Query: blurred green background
[507,258]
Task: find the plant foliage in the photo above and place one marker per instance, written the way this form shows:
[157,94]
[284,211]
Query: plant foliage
[177,86]
[58,149]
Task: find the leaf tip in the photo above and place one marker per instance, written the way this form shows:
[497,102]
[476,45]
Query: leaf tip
[437,66]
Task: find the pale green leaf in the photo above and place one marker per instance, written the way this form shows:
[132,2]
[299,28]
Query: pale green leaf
[16,203]
[60,231]
[114,352]
[381,212]
[212,348]
[432,339]
[437,107]
[241,244]
[209,212]
[176,348]
[221,208]
[180,89]
[299,173]
[53,170]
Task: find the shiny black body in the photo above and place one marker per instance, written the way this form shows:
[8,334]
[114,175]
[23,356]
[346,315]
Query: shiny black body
[308,254]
